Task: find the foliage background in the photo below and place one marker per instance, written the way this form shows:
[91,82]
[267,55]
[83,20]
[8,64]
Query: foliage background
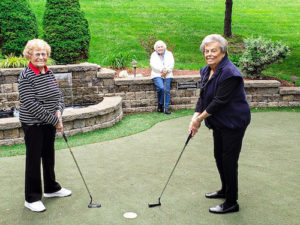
[20,26]
[115,26]
[67,31]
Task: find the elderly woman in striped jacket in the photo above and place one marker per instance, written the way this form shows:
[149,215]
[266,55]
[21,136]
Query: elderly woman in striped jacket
[41,107]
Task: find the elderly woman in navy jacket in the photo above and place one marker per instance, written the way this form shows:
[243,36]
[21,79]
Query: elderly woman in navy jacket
[162,64]
[41,107]
[223,106]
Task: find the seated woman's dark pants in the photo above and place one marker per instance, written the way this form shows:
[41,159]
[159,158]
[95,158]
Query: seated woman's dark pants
[39,141]
[227,148]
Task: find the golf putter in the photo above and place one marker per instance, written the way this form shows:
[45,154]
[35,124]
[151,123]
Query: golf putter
[91,205]
[159,203]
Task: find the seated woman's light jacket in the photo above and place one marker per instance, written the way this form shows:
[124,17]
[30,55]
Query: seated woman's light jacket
[157,65]
[236,113]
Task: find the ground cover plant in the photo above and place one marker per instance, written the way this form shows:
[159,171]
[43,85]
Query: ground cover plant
[115,27]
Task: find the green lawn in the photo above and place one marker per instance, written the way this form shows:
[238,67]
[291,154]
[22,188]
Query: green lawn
[115,26]
[130,124]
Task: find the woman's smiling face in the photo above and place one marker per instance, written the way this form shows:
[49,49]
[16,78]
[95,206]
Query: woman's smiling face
[213,54]
[160,49]
[39,58]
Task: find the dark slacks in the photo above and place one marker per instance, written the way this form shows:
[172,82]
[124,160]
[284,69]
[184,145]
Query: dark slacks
[227,148]
[39,141]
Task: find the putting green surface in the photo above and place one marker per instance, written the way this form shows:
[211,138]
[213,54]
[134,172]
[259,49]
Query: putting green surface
[126,174]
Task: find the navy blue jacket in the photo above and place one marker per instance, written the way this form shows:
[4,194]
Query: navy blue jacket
[235,114]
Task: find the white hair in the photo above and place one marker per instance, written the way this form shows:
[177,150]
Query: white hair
[36,44]
[214,38]
[160,43]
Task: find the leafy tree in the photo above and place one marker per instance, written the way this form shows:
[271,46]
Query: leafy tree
[17,26]
[66,30]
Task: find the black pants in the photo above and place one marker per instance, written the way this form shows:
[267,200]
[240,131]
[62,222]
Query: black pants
[227,148]
[39,141]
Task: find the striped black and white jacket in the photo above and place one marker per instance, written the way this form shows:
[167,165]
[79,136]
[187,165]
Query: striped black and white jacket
[40,97]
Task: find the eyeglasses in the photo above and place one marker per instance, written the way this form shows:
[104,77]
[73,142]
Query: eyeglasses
[38,55]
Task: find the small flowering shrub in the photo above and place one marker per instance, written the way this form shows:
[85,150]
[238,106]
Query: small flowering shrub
[148,40]
[260,53]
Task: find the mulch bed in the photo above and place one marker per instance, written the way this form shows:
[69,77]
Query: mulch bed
[147,71]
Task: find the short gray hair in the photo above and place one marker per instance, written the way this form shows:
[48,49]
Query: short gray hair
[214,38]
[160,42]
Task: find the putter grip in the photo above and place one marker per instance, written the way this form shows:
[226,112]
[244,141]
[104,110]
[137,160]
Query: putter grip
[65,137]
[188,139]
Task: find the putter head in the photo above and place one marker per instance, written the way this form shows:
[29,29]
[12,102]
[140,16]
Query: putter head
[94,205]
[155,204]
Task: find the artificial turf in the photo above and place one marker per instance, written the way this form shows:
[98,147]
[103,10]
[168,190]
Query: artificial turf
[126,174]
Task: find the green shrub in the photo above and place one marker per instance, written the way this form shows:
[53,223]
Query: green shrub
[119,60]
[235,59]
[18,25]
[12,61]
[66,30]
[260,53]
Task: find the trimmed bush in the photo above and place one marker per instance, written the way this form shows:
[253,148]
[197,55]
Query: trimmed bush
[260,53]
[66,30]
[17,26]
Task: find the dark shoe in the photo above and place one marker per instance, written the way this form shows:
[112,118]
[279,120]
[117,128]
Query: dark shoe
[160,108]
[167,111]
[216,194]
[225,208]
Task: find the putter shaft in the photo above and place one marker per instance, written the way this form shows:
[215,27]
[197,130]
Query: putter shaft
[158,204]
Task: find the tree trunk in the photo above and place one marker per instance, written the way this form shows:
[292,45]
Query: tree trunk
[227,20]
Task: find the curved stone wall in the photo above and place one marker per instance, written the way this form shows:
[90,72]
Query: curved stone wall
[81,120]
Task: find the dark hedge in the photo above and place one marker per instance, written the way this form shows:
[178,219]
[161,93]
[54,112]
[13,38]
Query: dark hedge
[66,30]
[17,26]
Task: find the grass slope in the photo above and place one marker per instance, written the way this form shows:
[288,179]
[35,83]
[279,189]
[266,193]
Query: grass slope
[115,26]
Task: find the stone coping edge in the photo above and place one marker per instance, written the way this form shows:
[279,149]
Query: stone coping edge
[55,68]
[109,104]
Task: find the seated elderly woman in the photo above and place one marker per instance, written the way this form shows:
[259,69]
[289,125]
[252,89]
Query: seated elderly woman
[41,107]
[162,64]
[224,108]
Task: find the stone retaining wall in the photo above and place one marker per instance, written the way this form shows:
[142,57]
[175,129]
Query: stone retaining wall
[138,95]
[80,120]
[82,88]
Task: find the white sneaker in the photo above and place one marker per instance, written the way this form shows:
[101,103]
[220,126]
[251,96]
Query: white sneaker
[63,192]
[37,206]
